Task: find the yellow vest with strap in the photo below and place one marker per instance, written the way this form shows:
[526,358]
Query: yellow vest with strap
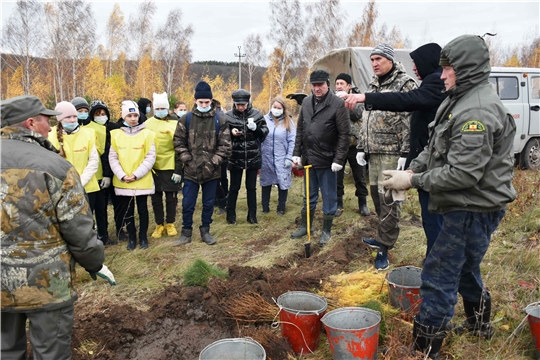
[131,152]
[164,130]
[77,147]
[101,136]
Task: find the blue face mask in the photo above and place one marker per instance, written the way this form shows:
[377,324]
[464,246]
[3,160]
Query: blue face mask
[125,123]
[181,113]
[82,115]
[70,126]
[161,113]
[204,110]
[148,109]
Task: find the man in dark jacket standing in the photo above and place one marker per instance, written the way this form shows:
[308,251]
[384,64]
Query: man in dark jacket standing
[322,141]
[467,168]
[47,226]
[424,101]
[202,141]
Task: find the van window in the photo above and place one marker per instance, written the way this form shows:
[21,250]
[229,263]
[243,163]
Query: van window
[535,85]
[506,87]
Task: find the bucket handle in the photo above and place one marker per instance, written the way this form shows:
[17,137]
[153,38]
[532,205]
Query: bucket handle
[275,325]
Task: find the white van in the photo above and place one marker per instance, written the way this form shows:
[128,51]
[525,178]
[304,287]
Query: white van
[518,88]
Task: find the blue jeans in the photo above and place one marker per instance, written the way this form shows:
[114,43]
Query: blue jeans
[325,180]
[432,223]
[190,192]
[453,264]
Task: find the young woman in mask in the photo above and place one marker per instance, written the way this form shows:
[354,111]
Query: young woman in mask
[277,150]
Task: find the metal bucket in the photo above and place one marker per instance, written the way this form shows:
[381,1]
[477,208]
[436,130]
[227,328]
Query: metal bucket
[233,349]
[533,315]
[404,288]
[353,332]
[300,318]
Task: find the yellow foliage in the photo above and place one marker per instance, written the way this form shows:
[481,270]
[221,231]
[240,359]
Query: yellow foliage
[513,61]
[15,85]
[95,78]
[147,80]
[41,83]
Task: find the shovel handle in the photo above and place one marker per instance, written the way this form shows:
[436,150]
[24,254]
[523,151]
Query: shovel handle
[308,209]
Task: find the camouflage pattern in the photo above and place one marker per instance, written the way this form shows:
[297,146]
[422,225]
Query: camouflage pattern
[46,225]
[387,132]
[453,264]
[202,151]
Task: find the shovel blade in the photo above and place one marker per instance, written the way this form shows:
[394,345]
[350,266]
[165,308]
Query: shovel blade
[307,247]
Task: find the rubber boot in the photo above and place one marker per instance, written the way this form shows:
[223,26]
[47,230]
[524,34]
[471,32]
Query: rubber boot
[428,340]
[132,243]
[362,206]
[478,318]
[143,241]
[185,237]
[339,210]
[375,197]
[327,230]
[302,231]
[206,237]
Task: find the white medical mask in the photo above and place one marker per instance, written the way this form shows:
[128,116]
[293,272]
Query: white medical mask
[82,115]
[101,120]
[204,110]
[181,113]
[161,113]
[70,126]
[277,112]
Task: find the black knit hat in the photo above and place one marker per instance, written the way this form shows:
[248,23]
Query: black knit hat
[241,96]
[346,77]
[319,76]
[203,91]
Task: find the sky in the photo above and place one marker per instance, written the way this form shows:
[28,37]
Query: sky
[221,26]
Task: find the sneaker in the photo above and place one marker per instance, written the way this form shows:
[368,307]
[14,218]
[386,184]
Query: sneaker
[371,242]
[280,212]
[381,261]
[339,211]
[221,211]
[160,229]
[266,211]
[171,230]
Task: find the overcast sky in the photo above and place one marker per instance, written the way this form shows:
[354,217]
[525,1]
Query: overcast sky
[221,26]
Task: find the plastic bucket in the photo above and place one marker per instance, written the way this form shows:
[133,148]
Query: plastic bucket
[353,332]
[300,318]
[404,288]
[233,349]
[533,315]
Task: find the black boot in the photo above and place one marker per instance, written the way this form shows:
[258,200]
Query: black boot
[231,216]
[478,318]
[143,239]
[362,206]
[339,210]
[428,340]
[132,243]
[282,200]
[302,231]
[327,229]
[206,237]
[185,237]
[252,217]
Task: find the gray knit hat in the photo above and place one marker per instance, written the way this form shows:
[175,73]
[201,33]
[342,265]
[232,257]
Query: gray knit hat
[80,103]
[384,50]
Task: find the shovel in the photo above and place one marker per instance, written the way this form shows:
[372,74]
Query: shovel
[307,245]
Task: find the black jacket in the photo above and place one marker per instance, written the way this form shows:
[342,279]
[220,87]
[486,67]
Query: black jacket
[424,101]
[246,149]
[322,136]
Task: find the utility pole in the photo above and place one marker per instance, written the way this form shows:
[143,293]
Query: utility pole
[239,56]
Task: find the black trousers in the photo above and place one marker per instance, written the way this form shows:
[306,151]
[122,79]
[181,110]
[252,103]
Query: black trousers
[171,201]
[359,175]
[126,215]
[251,188]
[265,198]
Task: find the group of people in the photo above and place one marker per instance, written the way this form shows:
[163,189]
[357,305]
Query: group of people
[451,138]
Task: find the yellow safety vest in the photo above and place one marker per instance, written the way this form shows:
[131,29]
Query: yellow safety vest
[101,137]
[77,147]
[131,152]
[164,130]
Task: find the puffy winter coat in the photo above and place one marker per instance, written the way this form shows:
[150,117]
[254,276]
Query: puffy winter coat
[275,149]
[246,149]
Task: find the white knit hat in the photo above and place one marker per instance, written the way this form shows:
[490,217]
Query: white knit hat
[160,101]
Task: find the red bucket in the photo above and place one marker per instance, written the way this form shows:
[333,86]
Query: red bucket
[300,317]
[533,315]
[297,172]
[404,288]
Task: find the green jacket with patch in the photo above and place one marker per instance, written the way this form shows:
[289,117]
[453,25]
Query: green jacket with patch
[47,225]
[469,161]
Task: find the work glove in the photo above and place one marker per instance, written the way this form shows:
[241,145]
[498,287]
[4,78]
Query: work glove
[336,167]
[297,160]
[104,273]
[105,182]
[361,158]
[397,180]
[401,163]
[177,179]
[251,126]
[288,163]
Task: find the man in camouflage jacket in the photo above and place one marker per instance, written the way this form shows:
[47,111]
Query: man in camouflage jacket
[47,226]
[385,139]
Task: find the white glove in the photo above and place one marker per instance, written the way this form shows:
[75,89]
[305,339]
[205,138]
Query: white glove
[361,158]
[397,180]
[336,167]
[401,163]
[297,160]
[104,273]
[105,182]
[288,163]
[177,179]
[251,126]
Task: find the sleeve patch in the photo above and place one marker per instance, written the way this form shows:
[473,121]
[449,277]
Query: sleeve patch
[473,126]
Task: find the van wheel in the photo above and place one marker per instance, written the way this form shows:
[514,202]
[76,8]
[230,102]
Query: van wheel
[530,156]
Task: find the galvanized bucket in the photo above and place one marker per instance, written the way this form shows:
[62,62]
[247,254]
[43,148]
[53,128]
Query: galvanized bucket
[404,288]
[233,349]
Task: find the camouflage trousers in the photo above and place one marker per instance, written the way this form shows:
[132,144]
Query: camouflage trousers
[388,227]
[453,264]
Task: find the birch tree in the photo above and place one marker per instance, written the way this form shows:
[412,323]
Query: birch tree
[140,28]
[115,37]
[364,30]
[255,55]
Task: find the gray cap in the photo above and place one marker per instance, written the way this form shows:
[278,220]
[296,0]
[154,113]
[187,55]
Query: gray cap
[20,108]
